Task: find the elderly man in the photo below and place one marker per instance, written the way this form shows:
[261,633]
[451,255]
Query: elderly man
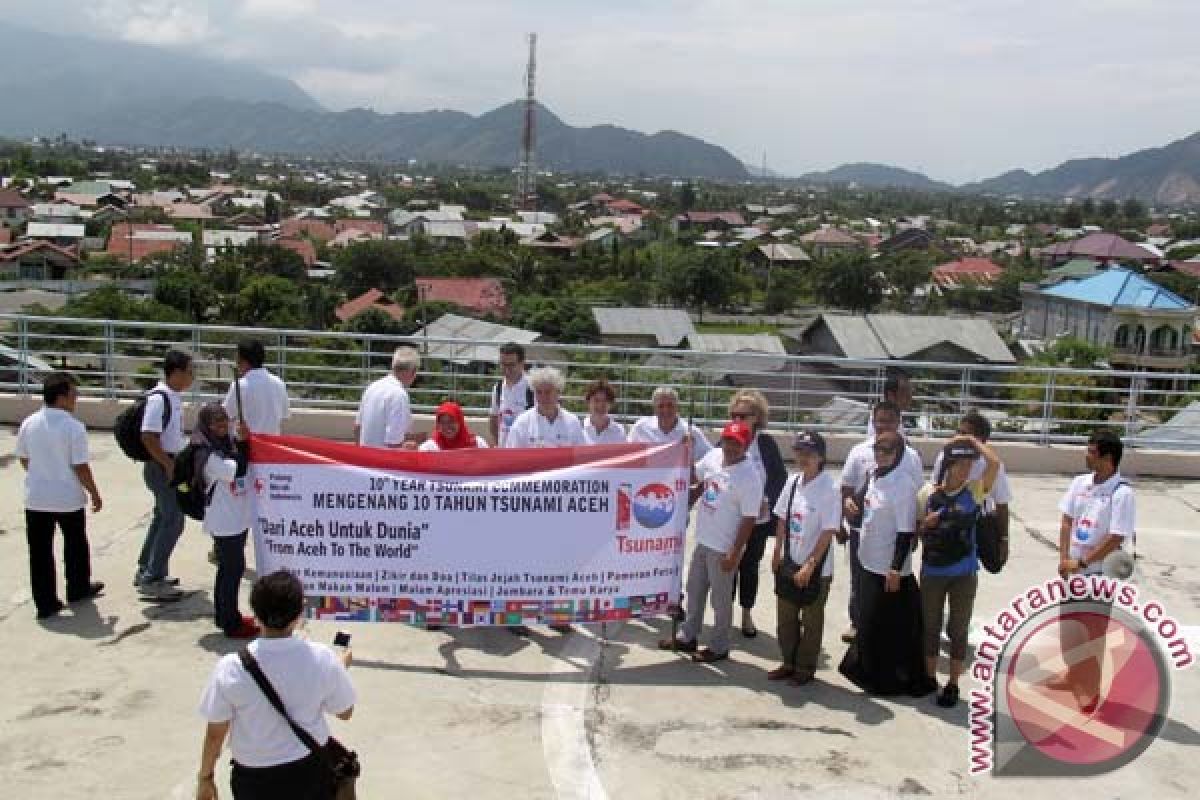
[666,426]
[547,424]
[385,415]
[730,495]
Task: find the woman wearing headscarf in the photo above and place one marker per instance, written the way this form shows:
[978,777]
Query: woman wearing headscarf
[220,466]
[450,430]
[886,656]
[750,407]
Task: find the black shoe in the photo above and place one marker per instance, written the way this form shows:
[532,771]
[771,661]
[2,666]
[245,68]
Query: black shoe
[51,611]
[948,697]
[93,590]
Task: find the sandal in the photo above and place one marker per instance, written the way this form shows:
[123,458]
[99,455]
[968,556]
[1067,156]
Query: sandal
[707,656]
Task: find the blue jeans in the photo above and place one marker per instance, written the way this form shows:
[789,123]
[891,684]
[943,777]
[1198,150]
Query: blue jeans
[166,525]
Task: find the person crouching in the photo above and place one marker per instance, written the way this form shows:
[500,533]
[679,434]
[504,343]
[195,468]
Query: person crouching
[730,492]
[222,462]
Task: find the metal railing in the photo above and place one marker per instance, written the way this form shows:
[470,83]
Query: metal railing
[328,370]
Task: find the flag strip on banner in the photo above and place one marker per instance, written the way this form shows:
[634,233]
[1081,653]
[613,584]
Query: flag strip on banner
[472,537]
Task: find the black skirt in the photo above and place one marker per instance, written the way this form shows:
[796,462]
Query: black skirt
[887,657]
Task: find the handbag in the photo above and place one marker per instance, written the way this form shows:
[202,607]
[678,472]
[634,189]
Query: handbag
[785,578]
[990,543]
[342,763]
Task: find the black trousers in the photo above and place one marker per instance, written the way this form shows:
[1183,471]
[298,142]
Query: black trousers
[77,560]
[306,779]
[745,583]
[231,566]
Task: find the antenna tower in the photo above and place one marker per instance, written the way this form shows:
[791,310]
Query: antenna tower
[526,198]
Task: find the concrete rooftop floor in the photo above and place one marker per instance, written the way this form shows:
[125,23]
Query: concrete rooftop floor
[101,702]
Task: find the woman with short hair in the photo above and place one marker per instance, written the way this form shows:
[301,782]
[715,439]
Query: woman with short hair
[269,760]
[750,407]
[598,426]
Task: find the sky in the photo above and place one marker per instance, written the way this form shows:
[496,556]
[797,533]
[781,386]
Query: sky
[958,89]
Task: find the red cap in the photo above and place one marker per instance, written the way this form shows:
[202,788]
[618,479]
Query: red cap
[739,432]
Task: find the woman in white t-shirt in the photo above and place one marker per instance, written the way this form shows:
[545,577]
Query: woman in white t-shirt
[269,759]
[886,656]
[450,430]
[808,514]
[598,426]
[220,467]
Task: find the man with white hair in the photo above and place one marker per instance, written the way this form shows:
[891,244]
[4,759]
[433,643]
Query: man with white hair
[547,424]
[384,415]
[666,426]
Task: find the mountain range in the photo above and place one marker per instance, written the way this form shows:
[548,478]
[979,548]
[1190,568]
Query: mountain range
[121,93]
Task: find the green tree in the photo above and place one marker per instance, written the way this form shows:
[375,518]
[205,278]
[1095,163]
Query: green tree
[373,264]
[266,301]
[187,291]
[1072,217]
[271,208]
[850,281]
[560,319]
[701,280]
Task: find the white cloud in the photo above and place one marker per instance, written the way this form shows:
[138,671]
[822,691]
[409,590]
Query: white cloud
[156,22]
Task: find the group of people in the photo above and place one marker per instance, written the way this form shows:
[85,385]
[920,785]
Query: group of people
[882,507]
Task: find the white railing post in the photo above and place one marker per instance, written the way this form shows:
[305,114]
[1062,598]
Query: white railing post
[110,357]
[1047,405]
[23,360]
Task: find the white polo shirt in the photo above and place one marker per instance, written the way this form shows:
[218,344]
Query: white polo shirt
[514,401]
[53,441]
[860,463]
[613,434]
[646,430]
[817,507]
[231,510]
[531,429]
[265,402]
[1096,511]
[171,440]
[384,415]
[728,494]
[889,508]
[308,678]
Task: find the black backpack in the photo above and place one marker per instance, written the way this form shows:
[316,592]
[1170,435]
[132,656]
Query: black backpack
[951,541]
[127,428]
[188,485]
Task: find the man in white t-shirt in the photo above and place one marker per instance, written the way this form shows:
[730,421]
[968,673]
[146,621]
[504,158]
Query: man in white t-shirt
[384,416]
[860,463]
[729,495]
[52,447]
[311,680]
[1098,511]
[162,435]
[512,395]
[260,399]
[547,424]
[665,425]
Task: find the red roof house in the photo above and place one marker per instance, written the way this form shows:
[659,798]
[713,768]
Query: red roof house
[624,206]
[295,228]
[966,271]
[302,247]
[372,298]
[375,227]
[135,241]
[480,295]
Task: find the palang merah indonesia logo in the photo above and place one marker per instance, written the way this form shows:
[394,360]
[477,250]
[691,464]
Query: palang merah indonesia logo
[1075,680]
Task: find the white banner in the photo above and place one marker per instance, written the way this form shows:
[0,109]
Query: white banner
[472,537]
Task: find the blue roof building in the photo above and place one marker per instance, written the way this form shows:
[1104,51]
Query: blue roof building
[1146,325]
